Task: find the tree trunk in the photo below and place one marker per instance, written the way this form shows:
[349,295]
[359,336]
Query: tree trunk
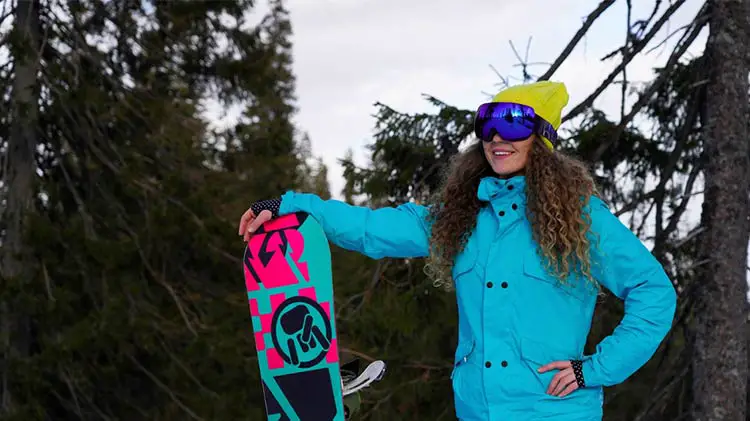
[720,357]
[18,171]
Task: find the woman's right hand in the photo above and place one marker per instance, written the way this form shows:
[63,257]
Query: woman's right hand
[258,214]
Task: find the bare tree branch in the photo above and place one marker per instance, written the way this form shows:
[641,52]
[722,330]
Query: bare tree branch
[628,56]
[624,85]
[593,16]
[523,62]
[679,51]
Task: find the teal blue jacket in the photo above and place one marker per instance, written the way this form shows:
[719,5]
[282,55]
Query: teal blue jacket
[513,316]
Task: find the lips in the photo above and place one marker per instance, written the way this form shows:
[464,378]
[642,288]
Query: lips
[501,153]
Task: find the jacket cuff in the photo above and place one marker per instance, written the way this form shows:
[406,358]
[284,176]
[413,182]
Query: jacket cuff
[590,375]
[287,203]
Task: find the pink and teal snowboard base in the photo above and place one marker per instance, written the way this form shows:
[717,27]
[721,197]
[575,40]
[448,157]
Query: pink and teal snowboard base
[290,291]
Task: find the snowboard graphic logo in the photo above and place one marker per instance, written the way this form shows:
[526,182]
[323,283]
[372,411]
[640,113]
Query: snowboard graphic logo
[301,332]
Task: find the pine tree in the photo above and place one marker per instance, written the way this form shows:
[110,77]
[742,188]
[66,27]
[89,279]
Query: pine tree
[19,166]
[133,287]
[720,353]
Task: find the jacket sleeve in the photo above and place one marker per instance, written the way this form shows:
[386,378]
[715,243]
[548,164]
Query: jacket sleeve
[628,269]
[398,232]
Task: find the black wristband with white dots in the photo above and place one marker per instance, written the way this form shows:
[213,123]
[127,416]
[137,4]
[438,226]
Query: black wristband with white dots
[578,371]
[271,205]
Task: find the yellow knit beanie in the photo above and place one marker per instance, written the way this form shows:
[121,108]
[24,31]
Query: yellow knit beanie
[546,97]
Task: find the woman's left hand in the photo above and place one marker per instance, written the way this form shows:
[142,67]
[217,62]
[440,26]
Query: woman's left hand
[564,382]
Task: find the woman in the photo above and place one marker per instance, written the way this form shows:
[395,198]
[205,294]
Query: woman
[518,231]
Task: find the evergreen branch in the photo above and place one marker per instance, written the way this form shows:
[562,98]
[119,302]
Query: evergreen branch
[164,388]
[159,278]
[72,391]
[663,393]
[686,196]
[87,397]
[658,194]
[681,141]
[186,370]
[386,398]
[88,221]
[424,366]
[690,236]
[75,404]
[223,253]
[632,205]
[359,354]
[380,267]
[47,284]
[143,412]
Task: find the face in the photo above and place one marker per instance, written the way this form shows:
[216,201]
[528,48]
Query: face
[507,158]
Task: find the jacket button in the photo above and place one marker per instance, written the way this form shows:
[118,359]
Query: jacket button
[510,187]
[504,285]
[514,206]
[501,213]
[489,284]
[504,363]
[488,364]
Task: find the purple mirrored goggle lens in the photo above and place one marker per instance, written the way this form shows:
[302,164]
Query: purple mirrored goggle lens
[513,122]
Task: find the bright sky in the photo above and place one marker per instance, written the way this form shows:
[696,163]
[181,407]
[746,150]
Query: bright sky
[348,54]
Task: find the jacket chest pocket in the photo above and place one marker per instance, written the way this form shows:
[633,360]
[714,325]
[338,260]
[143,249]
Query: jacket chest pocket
[465,262]
[534,268]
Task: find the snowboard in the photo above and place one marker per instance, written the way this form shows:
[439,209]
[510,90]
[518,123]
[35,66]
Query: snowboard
[288,276]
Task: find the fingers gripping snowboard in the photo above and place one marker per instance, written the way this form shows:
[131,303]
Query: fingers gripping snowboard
[287,267]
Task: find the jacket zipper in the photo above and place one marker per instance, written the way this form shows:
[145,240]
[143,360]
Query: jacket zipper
[463,359]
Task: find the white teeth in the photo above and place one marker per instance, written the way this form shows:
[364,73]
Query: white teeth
[501,153]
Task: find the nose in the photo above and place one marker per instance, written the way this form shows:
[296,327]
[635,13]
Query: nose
[497,138]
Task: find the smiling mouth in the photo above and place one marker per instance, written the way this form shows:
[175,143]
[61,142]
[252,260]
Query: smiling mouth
[502,154]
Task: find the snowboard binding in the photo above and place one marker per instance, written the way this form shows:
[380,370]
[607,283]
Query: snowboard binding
[353,381]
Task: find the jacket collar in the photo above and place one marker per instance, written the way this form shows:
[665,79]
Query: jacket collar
[494,188]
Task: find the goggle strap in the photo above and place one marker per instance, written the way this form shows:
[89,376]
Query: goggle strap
[545,129]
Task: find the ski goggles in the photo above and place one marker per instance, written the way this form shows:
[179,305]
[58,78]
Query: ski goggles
[513,122]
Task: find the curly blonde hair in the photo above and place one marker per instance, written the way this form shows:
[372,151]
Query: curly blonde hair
[558,188]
